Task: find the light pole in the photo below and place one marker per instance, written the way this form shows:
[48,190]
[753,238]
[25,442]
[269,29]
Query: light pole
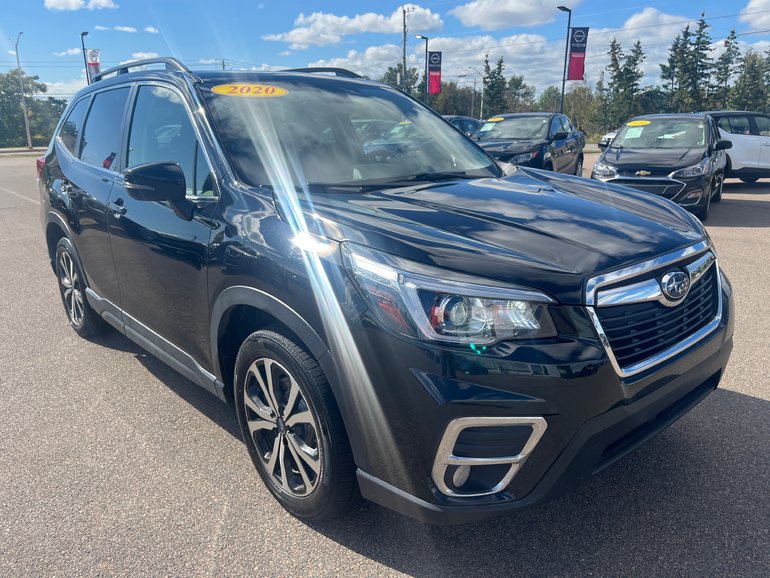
[481,110]
[566,50]
[85,60]
[425,38]
[21,90]
[473,94]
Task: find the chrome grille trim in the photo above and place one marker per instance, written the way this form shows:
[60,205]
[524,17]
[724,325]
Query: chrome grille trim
[642,291]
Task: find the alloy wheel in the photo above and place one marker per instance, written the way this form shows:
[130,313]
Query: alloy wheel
[283,427]
[72,291]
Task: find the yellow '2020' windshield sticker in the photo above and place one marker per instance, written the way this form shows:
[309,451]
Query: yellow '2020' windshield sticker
[638,123]
[496,119]
[250,90]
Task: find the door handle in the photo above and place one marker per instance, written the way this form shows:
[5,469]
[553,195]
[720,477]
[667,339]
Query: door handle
[117,208]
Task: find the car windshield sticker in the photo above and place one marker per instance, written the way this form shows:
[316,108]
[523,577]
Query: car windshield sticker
[250,90]
[634,132]
[487,126]
[496,119]
[638,123]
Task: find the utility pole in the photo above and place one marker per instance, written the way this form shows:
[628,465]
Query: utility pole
[223,64]
[566,52]
[21,89]
[85,60]
[403,51]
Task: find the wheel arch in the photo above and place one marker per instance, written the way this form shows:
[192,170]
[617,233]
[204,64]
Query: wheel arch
[239,311]
[55,229]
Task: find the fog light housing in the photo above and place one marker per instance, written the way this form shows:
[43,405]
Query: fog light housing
[479,456]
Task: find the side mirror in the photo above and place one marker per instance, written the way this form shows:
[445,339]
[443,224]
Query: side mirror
[161,181]
[723,144]
[603,144]
[560,135]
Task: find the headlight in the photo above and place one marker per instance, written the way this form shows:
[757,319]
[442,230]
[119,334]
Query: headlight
[435,309]
[604,170]
[693,171]
[524,157]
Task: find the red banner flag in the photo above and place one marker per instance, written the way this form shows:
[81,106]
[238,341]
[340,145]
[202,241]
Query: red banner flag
[434,72]
[578,41]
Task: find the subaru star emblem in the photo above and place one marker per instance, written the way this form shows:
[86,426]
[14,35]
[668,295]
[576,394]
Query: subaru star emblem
[675,285]
[643,173]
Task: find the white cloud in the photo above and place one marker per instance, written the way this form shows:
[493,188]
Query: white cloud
[64,88]
[124,28]
[12,52]
[322,28]
[68,52]
[497,14]
[285,53]
[756,14]
[143,55]
[79,4]
[151,29]
[209,61]
[100,27]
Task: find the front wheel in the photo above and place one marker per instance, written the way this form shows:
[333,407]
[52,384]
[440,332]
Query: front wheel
[292,427]
[719,183]
[579,167]
[703,212]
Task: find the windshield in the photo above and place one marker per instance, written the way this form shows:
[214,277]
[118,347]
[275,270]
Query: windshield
[514,128]
[321,131]
[662,133]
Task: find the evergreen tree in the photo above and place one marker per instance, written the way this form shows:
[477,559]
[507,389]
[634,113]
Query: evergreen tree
[549,100]
[750,91]
[669,72]
[520,95]
[625,75]
[392,76]
[494,88]
[726,67]
[700,66]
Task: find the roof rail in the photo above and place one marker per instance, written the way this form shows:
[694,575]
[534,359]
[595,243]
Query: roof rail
[323,69]
[171,64]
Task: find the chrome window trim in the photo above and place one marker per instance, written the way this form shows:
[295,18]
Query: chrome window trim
[696,270]
[445,456]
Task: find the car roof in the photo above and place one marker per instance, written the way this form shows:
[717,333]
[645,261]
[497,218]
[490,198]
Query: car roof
[732,112]
[521,114]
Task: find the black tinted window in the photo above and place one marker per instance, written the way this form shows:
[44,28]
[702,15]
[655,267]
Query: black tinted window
[101,135]
[161,131]
[763,125]
[71,128]
[735,124]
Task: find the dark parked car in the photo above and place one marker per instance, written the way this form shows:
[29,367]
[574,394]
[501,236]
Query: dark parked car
[464,124]
[454,343]
[749,157]
[677,156]
[541,140]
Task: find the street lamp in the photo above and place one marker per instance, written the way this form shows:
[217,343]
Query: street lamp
[21,90]
[473,94]
[566,50]
[85,60]
[425,38]
[481,110]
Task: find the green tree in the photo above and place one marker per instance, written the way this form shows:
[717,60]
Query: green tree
[549,100]
[12,131]
[519,94]
[453,99]
[699,65]
[623,88]
[750,91]
[670,71]
[495,86]
[392,76]
[726,68]
[580,103]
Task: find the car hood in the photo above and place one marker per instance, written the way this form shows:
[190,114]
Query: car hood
[535,229]
[659,161]
[509,145]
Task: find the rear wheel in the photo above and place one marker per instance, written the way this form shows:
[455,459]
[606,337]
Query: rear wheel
[72,287]
[292,427]
[579,167]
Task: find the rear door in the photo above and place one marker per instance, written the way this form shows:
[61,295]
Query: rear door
[761,130]
[161,256]
[87,172]
[745,151]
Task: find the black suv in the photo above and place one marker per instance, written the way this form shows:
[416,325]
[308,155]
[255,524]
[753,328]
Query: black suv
[409,323]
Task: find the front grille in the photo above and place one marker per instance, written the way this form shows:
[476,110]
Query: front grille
[639,331]
[662,188]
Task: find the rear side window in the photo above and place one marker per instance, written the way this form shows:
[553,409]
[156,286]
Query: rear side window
[763,125]
[102,132]
[71,128]
[735,124]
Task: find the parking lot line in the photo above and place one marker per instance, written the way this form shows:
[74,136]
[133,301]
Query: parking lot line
[15,194]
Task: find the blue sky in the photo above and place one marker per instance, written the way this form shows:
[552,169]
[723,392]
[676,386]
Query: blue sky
[362,36]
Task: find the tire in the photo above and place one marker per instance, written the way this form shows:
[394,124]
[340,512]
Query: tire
[72,287]
[292,427]
[749,179]
[719,183]
[579,167]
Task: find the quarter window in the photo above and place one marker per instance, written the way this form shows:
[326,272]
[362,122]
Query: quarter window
[103,129]
[72,127]
[735,124]
[161,130]
[763,125]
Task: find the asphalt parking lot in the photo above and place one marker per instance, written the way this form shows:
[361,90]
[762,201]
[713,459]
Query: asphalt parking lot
[111,463]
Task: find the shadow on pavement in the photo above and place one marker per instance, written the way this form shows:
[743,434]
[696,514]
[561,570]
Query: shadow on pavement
[734,211]
[694,500]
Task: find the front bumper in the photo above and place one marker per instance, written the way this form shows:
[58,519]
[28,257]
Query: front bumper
[687,193]
[594,417]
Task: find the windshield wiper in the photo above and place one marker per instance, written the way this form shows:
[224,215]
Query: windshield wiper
[439,176]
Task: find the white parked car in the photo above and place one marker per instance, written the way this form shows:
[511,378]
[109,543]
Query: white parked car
[749,157]
[607,139]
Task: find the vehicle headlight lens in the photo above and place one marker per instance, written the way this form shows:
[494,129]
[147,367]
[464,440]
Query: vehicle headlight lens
[524,157]
[430,308]
[604,170]
[693,171]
